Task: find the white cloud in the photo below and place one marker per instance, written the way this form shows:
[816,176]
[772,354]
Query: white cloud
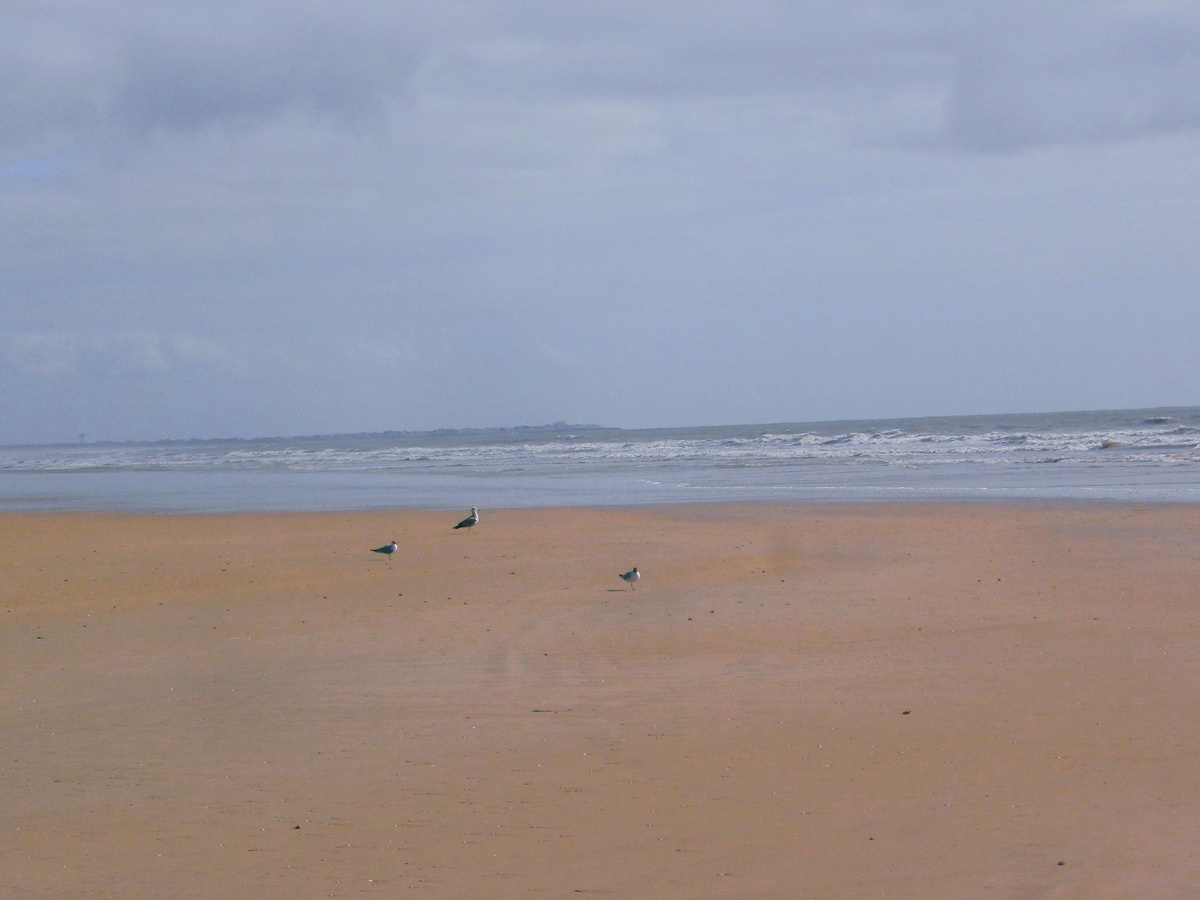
[39,355]
[120,355]
[382,357]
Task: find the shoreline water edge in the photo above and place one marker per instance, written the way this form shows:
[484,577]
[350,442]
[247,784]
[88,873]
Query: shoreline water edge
[1149,455]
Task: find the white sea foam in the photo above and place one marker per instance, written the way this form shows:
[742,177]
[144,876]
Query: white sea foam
[885,448]
[1136,454]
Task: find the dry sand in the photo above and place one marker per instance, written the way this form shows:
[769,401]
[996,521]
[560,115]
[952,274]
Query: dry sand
[795,701]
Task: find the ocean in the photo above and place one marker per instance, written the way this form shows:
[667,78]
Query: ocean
[1146,455]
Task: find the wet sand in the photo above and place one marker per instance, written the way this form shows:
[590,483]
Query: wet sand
[794,701]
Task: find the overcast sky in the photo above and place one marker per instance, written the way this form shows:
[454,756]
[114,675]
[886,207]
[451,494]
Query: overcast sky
[274,218]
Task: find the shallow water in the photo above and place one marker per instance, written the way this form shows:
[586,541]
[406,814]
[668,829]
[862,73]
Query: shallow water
[1148,455]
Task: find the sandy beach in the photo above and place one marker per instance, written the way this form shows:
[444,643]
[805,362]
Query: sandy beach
[820,701]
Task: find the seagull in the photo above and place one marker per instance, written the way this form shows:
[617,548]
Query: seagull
[471,520]
[631,576]
[387,549]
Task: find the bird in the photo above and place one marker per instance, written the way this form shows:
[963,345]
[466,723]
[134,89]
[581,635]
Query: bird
[631,576]
[471,520]
[387,549]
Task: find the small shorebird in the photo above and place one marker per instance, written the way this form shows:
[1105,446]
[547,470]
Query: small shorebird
[470,521]
[387,549]
[631,576]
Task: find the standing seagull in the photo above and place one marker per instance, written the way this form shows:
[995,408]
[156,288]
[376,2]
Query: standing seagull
[387,549]
[470,521]
[631,576]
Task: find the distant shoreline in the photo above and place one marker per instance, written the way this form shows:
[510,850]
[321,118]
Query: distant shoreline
[1146,455]
[473,435]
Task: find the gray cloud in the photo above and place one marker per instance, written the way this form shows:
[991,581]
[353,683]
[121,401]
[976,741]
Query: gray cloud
[244,73]
[1047,74]
[307,215]
[81,73]
[1010,74]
